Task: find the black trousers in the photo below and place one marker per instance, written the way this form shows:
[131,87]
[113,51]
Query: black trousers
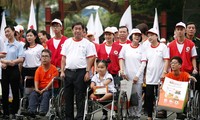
[10,76]
[151,93]
[28,72]
[74,85]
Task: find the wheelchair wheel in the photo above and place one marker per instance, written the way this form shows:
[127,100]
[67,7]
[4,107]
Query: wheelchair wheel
[189,109]
[52,117]
[61,104]
[196,105]
[122,106]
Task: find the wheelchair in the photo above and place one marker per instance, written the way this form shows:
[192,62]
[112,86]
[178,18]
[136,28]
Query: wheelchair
[192,107]
[117,106]
[24,100]
[56,102]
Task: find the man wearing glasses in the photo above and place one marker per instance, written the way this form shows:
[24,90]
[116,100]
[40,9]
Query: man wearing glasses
[43,81]
[55,43]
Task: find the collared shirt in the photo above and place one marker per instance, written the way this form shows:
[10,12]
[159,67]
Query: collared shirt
[14,50]
[98,82]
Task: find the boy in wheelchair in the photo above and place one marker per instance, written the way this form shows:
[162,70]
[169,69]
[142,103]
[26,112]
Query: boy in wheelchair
[102,85]
[177,74]
[41,95]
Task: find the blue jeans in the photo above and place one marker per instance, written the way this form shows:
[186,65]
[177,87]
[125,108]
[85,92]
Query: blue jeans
[39,100]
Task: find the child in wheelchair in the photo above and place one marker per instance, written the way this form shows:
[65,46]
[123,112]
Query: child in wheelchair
[177,74]
[102,84]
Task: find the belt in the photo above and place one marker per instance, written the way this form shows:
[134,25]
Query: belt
[75,70]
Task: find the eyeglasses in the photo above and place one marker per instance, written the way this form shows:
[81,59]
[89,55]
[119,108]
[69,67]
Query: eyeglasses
[45,56]
[55,26]
[173,63]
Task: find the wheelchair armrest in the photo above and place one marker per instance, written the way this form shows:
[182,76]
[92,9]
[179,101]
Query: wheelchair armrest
[27,78]
[58,79]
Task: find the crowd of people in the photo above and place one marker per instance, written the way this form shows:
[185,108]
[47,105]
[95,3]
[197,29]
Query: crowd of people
[136,55]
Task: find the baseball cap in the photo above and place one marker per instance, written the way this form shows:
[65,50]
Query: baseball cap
[114,29]
[135,30]
[181,24]
[56,21]
[162,40]
[19,28]
[108,30]
[153,30]
[90,33]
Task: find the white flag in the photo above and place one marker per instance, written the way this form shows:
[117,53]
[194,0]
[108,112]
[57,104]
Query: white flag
[32,20]
[90,24]
[98,28]
[51,32]
[155,23]
[3,25]
[126,19]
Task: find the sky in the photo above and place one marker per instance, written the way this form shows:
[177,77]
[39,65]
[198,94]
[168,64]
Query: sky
[92,6]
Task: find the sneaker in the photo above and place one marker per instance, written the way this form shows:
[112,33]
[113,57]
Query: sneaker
[31,114]
[161,114]
[104,117]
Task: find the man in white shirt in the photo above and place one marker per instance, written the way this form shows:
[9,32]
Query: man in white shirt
[78,56]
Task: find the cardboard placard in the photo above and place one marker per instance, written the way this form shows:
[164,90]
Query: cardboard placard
[173,95]
[100,90]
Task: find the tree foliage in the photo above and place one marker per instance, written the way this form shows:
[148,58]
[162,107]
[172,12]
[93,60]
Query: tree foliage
[142,11]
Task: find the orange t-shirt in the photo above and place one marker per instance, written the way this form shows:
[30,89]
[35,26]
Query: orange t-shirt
[44,77]
[183,77]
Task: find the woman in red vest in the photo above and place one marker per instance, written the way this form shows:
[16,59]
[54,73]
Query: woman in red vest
[110,50]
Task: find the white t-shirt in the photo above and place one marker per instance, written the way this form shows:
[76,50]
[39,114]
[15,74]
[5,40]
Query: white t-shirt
[180,47]
[32,56]
[145,44]
[132,60]
[2,50]
[108,49]
[76,53]
[155,57]
[98,82]
[56,42]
